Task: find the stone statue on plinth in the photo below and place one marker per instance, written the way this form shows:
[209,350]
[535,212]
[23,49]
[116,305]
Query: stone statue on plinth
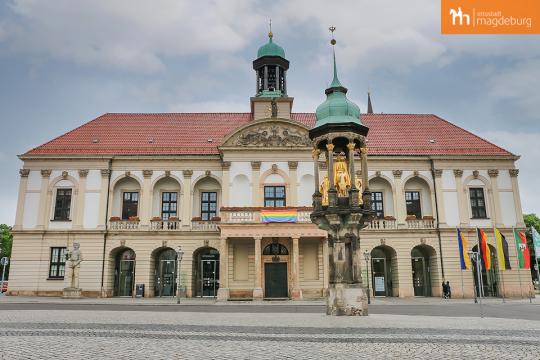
[74,258]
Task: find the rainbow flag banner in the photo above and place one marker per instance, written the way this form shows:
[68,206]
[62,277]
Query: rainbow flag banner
[279,216]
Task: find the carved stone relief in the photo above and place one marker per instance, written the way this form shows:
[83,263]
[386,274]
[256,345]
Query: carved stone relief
[273,135]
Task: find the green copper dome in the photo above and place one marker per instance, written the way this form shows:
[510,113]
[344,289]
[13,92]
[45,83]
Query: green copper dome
[270,49]
[337,108]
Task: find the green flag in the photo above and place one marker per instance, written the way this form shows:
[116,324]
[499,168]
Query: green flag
[536,242]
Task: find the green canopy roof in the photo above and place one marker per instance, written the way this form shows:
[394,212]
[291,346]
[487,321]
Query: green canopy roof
[270,48]
[337,108]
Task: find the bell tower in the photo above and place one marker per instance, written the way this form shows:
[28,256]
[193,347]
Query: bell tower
[271,100]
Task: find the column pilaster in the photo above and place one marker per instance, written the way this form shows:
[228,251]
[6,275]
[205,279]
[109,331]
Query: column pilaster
[440,198]
[43,196]
[462,202]
[517,199]
[255,176]
[326,264]
[497,216]
[296,293]
[225,191]
[102,221]
[293,186]
[223,291]
[401,209]
[258,291]
[187,206]
[146,198]
[81,197]
[21,199]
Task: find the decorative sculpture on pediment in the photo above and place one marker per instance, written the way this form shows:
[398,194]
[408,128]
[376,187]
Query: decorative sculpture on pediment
[273,136]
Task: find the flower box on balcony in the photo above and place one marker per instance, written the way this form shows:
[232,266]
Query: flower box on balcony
[428,217]
[115,218]
[196,218]
[156,218]
[134,218]
[216,218]
[389,218]
[173,218]
[410,217]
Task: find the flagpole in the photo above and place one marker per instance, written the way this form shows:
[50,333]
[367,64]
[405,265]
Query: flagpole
[517,258]
[501,273]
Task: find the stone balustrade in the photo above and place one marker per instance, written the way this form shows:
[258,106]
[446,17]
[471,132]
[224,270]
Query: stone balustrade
[165,225]
[382,224]
[421,224]
[124,225]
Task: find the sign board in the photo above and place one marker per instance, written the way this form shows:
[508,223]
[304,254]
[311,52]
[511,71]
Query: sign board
[379,284]
[4,261]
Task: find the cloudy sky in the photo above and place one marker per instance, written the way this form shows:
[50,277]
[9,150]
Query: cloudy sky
[64,62]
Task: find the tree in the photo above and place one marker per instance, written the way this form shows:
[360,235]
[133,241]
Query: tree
[6,242]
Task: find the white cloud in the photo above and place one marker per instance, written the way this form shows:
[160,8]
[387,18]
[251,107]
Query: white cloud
[129,34]
[526,145]
[519,83]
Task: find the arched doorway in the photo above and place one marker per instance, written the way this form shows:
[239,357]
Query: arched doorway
[421,269]
[124,273]
[490,279]
[275,271]
[165,273]
[383,277]
[206,272]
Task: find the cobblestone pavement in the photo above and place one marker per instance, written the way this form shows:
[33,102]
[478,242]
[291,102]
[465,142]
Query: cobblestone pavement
[75,334]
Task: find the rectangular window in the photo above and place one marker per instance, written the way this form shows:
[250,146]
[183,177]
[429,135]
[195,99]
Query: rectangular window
[130,205]
[168,205]
[63,204]
[478,204]
[58,263]
[274,196]
[208,205]
[377,204]
[412,200]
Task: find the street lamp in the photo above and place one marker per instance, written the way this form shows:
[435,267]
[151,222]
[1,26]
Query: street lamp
[179,255]
[476,256]
[366,257]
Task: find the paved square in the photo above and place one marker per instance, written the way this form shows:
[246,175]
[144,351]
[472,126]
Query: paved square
[224,334]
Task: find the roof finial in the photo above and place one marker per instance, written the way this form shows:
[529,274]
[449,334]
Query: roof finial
[270,35]
[335,80]
[369,106]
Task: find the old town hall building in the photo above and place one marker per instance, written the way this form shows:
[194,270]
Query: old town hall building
[131,188]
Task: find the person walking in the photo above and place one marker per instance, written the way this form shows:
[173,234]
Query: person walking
[444,290]
[448,290]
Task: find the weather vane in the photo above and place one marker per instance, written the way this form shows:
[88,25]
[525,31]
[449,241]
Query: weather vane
[270,33]
[332,29]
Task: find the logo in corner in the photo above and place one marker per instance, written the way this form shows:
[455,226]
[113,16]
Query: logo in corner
[460,15]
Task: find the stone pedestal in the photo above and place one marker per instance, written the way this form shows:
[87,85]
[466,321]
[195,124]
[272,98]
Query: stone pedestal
[71,293]
[257,294]
[223,294]
[346,300]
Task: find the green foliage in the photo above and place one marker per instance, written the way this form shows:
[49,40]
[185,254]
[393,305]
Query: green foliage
[534,221]
[6,242]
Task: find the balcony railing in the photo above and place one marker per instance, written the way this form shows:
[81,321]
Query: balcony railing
[165,225]
[124,224]
[382,224]
[421,224]
[252,215]
[198,225]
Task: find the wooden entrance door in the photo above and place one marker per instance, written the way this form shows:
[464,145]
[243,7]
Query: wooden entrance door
[275,280]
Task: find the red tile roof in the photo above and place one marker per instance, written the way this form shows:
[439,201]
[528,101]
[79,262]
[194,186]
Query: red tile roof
[189,134]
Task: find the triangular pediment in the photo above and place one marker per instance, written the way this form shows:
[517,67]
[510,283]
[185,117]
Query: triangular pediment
[265,133]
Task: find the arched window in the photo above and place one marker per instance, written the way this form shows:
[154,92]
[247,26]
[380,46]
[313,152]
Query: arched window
[275,249]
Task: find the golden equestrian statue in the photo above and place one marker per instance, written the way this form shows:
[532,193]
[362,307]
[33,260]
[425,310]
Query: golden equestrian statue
[342,179]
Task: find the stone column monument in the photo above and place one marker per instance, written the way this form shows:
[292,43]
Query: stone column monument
[74,258]
[338,207]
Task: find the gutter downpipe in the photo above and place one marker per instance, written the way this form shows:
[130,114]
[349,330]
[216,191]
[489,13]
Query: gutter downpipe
[437,214]
[106,228]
